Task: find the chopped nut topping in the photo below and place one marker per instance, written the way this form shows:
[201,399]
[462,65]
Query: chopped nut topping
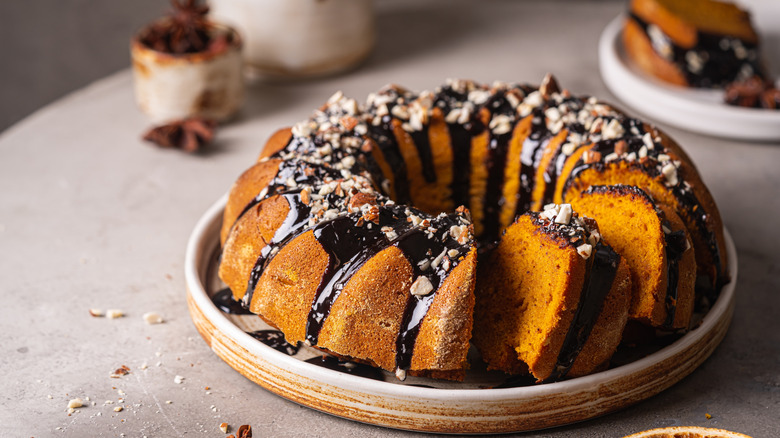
[611,157]
[479,96]
[500,124]
[460,233]
[591,157]
[437,261]
[119,372]
[568,148]
[550,211]
[621,147]
[371,215]
[305,198]
[390,233]
[564,215]
[549,86]
[585,250]
[360,199]
[75,403]
[400,374]
[400,111]
[670,173]
[613,130]
[421,287]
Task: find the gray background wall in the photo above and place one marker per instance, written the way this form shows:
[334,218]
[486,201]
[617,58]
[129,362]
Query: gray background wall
[51,47]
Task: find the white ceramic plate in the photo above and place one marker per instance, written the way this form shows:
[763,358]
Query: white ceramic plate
[696,110]
[446,407]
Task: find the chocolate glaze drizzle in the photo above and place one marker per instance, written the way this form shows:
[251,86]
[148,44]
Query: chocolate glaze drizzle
[713,62]
[598,283]
[295,221]
[460,141]
[349,247]
[530,157]
[224,301]
[496,169]
[676,244]
[423,144]
[351,242]
[353,368]
[385,139]
[274,339]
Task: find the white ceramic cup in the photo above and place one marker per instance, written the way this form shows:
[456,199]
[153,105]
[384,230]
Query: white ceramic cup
[175,86]
[300,38]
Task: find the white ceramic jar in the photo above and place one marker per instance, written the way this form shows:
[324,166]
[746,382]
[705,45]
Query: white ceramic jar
[300,38]
[175,86]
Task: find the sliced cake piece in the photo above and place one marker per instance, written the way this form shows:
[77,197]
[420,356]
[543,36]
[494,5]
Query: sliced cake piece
[696,43]
[540,294]
[655,164]
[654,242]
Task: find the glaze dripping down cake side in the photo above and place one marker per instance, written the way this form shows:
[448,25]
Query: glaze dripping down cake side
[358,230]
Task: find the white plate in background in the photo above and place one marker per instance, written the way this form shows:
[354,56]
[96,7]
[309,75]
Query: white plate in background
[699,110]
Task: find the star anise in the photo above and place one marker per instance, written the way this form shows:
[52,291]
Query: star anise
[770,98]
[244,431]
[186,31]
[753,92]
[189,134]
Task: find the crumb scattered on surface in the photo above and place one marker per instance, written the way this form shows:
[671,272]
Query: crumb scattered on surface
[178,379]
[75,403]
[119,372]
[708,416]
[152,318]
[97,313]
[224,427]
[114,313]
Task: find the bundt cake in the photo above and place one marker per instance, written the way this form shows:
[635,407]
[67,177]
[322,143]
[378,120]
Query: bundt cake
[552,298]
[336,235]
[696,43]
[653,240]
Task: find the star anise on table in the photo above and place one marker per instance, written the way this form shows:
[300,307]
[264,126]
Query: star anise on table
[186,31]
[189,134]
[753,92]
[770,98]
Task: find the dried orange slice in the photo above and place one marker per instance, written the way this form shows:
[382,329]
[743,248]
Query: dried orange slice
[687,432]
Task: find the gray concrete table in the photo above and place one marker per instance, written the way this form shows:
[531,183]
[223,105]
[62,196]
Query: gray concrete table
[92,217]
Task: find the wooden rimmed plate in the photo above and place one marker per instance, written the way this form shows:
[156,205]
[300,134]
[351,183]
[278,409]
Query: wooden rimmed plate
[474,406]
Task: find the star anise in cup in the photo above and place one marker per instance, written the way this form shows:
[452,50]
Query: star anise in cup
[186,30]
[189,134]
